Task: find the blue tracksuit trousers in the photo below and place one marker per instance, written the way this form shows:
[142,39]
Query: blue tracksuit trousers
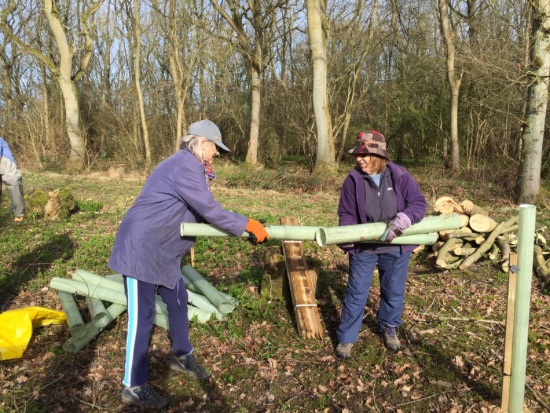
[141,316]
[392,269]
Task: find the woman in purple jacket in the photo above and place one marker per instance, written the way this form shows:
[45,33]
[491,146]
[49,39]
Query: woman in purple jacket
[148,250]
[376,190]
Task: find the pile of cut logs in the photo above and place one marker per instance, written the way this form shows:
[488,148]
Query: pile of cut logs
[479,236]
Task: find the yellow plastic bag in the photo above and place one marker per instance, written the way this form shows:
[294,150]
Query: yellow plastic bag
[16,328]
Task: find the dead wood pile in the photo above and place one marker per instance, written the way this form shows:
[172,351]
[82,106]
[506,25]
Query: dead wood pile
[480,236]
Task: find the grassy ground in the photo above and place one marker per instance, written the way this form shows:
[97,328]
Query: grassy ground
[453,334]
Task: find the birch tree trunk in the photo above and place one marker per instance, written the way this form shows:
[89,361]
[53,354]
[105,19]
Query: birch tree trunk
[252,152]
[454,81]
[316,18]
[528,184]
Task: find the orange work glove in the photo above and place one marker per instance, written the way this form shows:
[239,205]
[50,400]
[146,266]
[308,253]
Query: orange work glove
[258,234]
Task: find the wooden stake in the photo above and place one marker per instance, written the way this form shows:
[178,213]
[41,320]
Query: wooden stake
[302,287]
[507,364]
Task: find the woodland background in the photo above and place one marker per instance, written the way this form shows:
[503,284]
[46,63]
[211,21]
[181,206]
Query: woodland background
[88,82]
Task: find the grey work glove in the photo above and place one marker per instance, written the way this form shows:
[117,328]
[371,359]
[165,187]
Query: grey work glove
[396,227]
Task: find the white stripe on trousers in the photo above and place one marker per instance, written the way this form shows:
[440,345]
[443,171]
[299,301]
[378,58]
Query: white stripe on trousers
[133,307]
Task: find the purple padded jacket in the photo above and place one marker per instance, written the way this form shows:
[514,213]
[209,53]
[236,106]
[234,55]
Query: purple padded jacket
[148,245]
[352,199]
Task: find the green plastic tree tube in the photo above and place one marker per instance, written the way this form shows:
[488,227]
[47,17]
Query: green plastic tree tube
[419,239]
[202,302]
[98,312]
[93,328]
[92,279]
[116,283]
[117,277]
[222,303]
[74,318]
[526,237]
[107,294]
[193,288]
[96,279]
[280,232]
[188,283]
[161,320]
[373,231]
[87,290]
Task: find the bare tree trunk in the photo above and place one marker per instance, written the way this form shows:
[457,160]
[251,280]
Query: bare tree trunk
[137,58]
[106,88]
[316,17]
[176,74]
[48,141]
[252,152]
[8,114]
[454,81]
[528,183]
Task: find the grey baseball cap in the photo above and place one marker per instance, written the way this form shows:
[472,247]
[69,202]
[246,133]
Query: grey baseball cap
[208,129]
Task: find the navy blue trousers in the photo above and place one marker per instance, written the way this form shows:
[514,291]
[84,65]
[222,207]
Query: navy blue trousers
[392,269]
[141,315]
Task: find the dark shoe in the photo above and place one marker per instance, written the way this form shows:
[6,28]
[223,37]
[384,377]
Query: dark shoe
[188,364]
[144,396]
[390,339]
[343,350]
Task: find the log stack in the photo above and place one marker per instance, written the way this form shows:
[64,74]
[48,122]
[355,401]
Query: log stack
[541,264]
[480,235]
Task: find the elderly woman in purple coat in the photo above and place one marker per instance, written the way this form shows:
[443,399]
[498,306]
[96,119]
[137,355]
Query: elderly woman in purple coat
[376,190]
[148,250]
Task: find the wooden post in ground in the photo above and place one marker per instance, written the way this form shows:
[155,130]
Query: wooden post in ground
[302,287]
[509,333]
